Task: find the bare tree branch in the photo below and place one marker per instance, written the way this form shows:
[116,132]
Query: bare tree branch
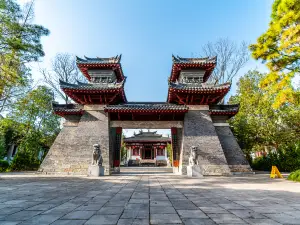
[63,67]
[231,58]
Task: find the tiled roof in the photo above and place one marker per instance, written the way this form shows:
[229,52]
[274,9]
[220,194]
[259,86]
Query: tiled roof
[147,139]
[61,109]
[179,64]
[146,107]
[177,59]
[199,87]
[91,86]
[98,60]
[224,109]
[147,136]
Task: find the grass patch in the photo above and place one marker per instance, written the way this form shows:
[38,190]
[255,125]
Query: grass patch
[294,176]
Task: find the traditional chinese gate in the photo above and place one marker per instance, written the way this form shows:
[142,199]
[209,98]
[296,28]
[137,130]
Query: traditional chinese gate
[101,111]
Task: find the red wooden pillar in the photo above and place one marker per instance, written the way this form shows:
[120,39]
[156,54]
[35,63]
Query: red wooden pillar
[175,147]
[117,154]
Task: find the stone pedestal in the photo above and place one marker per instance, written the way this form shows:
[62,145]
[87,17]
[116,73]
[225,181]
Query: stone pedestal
[176,171]
[116,170]
[95,171]
[194,171]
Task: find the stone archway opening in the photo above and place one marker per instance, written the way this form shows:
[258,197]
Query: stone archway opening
[146,148]
[137,145]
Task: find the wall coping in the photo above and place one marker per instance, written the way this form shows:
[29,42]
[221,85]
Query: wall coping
[221,124]
[93,107]
[198,107]
[147,124]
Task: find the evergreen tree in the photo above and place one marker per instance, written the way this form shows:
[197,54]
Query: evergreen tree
[20,43]
[279,47]
[258,125]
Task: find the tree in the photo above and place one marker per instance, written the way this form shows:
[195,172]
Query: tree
[279,47]
[170,153]
[257,125]
[34,121]
[2,146]
[231,58]
[63,68]
[13,93]
[19,44]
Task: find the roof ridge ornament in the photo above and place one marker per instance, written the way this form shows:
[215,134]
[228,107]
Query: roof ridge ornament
[78,59]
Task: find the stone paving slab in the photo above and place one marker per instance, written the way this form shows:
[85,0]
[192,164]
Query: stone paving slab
[148,199]
[69,222]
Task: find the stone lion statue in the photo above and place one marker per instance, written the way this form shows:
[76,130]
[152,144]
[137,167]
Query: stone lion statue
[193,156]
[97,157]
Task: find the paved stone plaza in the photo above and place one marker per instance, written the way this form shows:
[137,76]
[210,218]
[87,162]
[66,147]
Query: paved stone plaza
[147,199]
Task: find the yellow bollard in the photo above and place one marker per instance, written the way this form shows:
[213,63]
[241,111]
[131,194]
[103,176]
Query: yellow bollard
[275,172]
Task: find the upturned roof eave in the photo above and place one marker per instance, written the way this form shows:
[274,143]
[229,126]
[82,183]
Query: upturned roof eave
[90,87]
[200,87]
[208,64]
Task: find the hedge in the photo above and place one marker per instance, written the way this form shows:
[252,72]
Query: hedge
[287,159]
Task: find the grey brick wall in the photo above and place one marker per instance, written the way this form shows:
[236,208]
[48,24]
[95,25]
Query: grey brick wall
[71,153]
[199,131]
[233,153]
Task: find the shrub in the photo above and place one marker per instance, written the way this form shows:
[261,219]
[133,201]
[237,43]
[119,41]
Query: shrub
[24,161]
[262,163]
[294,176]
[3,165]
[287,158]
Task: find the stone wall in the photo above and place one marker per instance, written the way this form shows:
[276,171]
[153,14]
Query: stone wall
[233,153]
[199,131]
[71,153]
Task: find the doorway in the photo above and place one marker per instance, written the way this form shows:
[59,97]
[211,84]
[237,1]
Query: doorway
[148,152]
[146,147]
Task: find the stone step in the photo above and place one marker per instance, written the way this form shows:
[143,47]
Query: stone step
[146,170]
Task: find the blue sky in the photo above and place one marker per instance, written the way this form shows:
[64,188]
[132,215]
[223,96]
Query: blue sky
[147,33]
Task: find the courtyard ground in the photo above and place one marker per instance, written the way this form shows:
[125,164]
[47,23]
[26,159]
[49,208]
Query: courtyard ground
[147,199]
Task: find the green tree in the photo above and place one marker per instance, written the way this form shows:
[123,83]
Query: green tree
[170,153]
[123,149]
[279,47]
[258,125]
[2,146]
[34,123]
[20,43]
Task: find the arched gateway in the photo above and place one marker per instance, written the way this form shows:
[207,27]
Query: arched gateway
[191,112]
